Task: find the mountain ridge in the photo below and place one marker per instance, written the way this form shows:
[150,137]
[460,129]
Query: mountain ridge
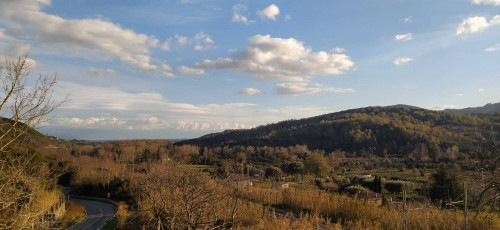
[396,130]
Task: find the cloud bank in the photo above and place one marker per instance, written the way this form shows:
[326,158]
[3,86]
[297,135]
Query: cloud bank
[269,58]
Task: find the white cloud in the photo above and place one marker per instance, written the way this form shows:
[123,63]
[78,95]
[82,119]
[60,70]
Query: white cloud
[238,11]
[408,19]
[402,60]
[96,107]
[487,2]
[249,91]
[97,72]
[459,94]
[190,71]
[96,112]
[443,107]
[269,12]
[167,70]
[166,45]
[203,41]
[25,20]
[281,59]
[493,48]
[481,90]
[12,51]
[288,17]
[338,50]
[304,88]
[181,40]
[404,37]
[477,24]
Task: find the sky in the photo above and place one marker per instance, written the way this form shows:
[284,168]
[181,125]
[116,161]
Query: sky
[185,68]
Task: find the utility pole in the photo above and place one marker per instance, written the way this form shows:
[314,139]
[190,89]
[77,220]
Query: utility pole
[466,217]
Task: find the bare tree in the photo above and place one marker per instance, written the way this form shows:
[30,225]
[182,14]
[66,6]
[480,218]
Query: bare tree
[27,196]
[23,107]
[174,197]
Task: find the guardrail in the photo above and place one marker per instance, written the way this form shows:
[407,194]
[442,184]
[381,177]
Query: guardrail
[111,202]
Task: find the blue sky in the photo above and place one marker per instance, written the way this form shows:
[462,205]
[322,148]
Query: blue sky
[184,68]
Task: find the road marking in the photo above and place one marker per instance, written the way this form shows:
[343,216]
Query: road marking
[97,219]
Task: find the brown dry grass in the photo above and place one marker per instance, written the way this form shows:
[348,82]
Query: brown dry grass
[74,213]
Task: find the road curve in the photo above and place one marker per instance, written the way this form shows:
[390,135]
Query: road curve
[98,213]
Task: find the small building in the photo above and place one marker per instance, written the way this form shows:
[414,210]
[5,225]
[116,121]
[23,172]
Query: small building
[280,185]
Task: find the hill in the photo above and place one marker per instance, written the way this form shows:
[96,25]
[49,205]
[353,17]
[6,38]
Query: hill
[488,108]
[391,130]
[31,139]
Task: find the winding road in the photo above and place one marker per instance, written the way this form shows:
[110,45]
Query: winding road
[97,213]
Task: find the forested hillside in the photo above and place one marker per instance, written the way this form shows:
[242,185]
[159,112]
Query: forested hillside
[393,130]
[488,108]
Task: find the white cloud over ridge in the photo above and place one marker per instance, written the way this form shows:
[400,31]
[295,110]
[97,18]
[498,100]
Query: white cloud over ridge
[26,20]
[271,58]
[487,2]
[269,12]
[476,24]
[402,60]
[98,108]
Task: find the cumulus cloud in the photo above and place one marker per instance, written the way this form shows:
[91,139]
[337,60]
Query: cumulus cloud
[190,71]
[487,2]
[181,40]
[97,72]
[249,91]
[25,19]
[493,48]
[305,88]
[12,51]
[477,24]
[167,70]
[166,45]
[281,59]
[404,37]
[338,50]
[238,11]
[269,12]
[402,60]
[481,90]
[203,41]
[407,19]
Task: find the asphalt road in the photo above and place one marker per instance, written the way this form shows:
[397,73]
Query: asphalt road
[97,214]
